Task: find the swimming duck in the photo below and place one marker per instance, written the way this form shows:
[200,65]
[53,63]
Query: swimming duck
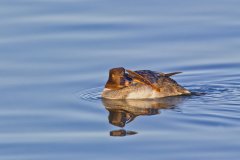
[142,84]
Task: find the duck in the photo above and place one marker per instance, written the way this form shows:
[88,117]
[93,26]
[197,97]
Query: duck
[141,84]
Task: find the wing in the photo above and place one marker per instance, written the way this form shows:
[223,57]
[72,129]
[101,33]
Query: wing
[141,79]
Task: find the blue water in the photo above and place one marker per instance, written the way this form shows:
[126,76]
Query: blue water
[54,62]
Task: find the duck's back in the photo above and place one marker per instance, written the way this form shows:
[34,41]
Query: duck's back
[149,75]
[157,78]
[166,85]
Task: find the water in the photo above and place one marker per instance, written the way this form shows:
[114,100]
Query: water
[54,61]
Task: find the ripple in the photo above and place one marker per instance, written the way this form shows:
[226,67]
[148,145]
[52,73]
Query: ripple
[92,94]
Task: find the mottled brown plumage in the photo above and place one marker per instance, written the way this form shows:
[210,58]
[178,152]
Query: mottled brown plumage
[141,84]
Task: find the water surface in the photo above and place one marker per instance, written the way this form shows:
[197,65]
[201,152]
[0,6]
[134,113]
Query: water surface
[54,62]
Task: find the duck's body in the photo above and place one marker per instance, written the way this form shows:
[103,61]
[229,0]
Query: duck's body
[142,84]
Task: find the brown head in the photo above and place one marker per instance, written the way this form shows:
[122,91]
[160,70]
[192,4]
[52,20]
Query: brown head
[116,79]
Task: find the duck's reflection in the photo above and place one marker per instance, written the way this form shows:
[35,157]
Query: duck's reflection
[121,133]
[122,112]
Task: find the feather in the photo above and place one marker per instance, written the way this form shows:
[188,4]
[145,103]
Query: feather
[171,74]
[138,77]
